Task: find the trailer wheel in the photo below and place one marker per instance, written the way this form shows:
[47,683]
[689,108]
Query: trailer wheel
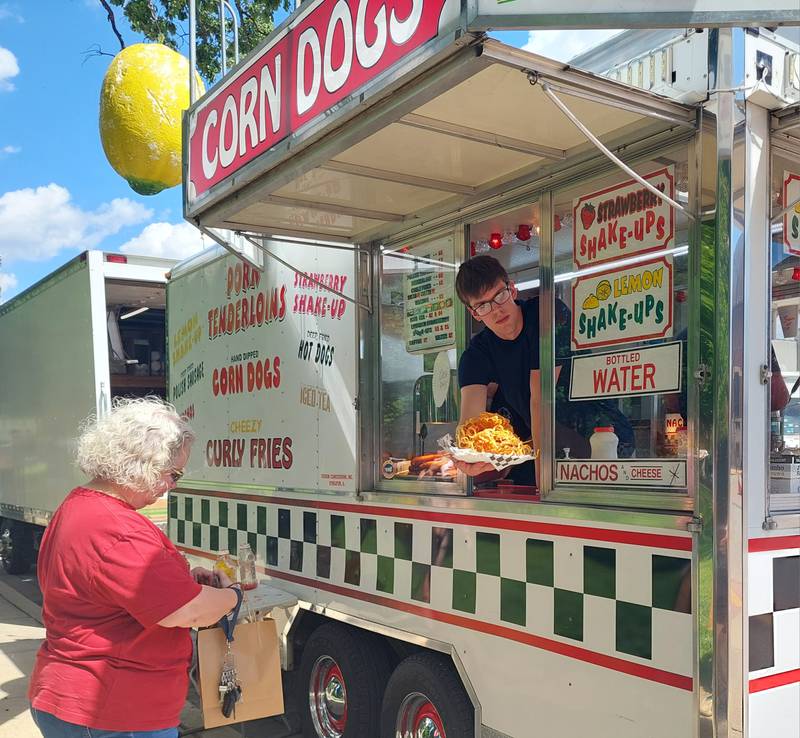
[16,546]
[425,699]
[343,673]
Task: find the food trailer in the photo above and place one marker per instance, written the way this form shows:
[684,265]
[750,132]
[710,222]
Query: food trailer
[347,167]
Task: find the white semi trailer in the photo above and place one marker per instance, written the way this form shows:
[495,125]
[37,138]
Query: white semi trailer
[90,331]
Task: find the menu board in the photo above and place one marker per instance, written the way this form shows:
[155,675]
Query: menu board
[264,365]
[429,315]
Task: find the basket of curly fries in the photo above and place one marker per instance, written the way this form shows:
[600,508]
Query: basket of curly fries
[488,437]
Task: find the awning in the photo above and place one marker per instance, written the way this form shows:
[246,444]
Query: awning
[466,128]
[786,130]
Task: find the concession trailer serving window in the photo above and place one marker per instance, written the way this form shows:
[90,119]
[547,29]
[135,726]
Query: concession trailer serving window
[411,172]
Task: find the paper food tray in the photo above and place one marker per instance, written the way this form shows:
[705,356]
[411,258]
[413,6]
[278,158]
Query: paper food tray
[498,461]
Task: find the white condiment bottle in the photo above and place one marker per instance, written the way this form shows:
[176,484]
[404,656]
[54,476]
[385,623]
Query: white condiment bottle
[604,443]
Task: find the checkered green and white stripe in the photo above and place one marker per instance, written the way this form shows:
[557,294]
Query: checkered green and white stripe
[774,642]
[628,601]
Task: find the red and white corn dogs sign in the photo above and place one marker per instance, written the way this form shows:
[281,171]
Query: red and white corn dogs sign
[623,220]
[330,50]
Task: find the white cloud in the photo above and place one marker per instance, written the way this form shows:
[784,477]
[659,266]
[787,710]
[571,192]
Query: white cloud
[10,149]
[7,282]
[168,240]
[8,68]
[7,11]
[35,224]
[564,45]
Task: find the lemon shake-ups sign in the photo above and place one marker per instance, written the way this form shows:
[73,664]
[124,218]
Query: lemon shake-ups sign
[791,220]
[623,220]
[623,305]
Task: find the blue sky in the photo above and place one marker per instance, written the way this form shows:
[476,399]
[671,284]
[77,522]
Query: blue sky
[58,194]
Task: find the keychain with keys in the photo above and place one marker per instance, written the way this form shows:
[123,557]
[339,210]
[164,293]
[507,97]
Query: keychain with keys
[230,690]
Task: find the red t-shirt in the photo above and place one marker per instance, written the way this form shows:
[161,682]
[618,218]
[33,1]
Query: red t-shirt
[108,575]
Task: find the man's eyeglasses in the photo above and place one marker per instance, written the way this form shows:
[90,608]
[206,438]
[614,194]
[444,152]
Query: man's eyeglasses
[484,308]
[176,475]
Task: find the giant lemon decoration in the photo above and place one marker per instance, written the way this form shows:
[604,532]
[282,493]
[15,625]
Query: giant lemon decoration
[144,92]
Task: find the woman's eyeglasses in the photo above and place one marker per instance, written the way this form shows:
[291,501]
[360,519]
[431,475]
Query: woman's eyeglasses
[176,475]
[484,308]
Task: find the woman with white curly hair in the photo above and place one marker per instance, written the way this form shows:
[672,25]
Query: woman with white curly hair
[119,599]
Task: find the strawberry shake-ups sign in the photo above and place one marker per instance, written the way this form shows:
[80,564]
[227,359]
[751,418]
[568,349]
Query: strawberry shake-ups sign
[623,220]
[617,306]
[791,220]
[327,53]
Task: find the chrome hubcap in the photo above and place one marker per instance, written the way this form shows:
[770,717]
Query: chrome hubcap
[418,718]
[327,698]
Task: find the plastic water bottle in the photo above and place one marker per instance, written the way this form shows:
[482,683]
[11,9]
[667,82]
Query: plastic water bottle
[247,567]
[604,443]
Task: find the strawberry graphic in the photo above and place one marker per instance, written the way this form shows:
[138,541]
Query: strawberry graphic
[587,215]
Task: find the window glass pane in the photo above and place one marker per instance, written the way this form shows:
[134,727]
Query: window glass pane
[504,345]
[419,385]
[785,339]
[621,287]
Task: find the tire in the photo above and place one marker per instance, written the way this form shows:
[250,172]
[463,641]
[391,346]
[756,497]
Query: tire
[425,697]
[16,546]
[343,673]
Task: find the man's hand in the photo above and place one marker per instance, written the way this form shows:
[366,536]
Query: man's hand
[475,469]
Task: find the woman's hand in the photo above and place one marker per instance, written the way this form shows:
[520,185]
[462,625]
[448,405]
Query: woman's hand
[223,580]
[209,578]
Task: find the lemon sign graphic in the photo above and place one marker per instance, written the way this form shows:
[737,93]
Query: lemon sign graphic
[144,92]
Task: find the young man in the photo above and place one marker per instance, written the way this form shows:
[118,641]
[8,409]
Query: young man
[500,369]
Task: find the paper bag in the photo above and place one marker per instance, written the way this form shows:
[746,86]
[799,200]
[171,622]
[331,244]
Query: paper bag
[255,646]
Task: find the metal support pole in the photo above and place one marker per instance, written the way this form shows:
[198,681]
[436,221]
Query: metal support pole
[547,449]
[728,378]
[192,51]
[235,32]
[223,37]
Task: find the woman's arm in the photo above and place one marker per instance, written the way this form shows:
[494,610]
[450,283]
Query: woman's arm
[205,609]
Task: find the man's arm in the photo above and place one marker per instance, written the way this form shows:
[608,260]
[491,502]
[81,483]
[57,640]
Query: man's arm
[473,402]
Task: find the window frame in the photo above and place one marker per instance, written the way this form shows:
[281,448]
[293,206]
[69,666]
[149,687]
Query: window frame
[455,488]
[657,498]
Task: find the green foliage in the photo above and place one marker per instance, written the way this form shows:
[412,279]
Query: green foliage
[167,22]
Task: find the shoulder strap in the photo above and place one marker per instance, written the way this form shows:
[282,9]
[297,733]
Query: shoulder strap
[228,622]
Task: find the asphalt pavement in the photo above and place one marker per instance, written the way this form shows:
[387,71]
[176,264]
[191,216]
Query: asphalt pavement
[21,634]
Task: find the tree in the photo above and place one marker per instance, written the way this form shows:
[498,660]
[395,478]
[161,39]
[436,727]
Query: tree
[167,22]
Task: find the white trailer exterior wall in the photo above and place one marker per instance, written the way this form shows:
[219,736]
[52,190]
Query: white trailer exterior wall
[55,368]
[49,386]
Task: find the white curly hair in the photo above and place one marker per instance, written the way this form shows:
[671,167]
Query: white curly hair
[133,445]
